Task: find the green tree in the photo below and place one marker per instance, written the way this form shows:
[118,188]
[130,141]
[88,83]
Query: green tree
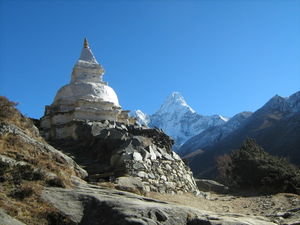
[250,167]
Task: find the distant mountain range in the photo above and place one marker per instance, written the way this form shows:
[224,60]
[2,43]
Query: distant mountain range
[213,135]
[177,119]
[201,139]
[275,126]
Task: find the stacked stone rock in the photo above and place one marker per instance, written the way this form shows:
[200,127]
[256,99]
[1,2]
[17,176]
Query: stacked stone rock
[163,175]
[109,150]
[159,168]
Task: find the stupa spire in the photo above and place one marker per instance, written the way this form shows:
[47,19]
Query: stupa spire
[85,43]
[86,53]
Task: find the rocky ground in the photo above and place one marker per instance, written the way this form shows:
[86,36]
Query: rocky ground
[283,208]
[94,205]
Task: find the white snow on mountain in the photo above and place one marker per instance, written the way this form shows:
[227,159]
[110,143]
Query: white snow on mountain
[213,134]
[174,103]
[177,119]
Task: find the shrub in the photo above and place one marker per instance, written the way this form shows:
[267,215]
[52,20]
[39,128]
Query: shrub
[26,172]
[7,108]
[251,167]
[55,182]
[10,114]
[22,192]
[3,168]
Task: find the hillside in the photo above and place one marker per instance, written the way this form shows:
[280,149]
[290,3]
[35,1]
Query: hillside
[275,126]
[27,165]
[213,135]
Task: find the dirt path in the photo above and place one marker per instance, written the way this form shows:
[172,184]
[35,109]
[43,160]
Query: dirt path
[280,208]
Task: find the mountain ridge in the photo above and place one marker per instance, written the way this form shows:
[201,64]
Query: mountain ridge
[177,119]
[213,134]
[275,126]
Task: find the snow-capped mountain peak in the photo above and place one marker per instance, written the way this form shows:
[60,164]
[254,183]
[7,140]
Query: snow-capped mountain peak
[177,119]
[180,121]
[174,103]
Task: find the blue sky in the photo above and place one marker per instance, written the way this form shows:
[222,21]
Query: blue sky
[224,56]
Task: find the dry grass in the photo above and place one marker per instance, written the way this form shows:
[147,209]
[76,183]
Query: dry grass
[106,185]
[21,185]
[11,115]
[186,199]
[29,209]
[15,147]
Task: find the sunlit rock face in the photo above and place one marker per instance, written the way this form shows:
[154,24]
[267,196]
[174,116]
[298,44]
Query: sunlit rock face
[86,97]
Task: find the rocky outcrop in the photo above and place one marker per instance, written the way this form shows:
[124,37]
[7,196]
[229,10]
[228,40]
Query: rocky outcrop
[109,150]
[27,165]
[40,147]
[289,217]
[93,205]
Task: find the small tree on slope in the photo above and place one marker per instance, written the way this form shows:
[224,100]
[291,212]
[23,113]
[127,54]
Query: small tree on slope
[250,167]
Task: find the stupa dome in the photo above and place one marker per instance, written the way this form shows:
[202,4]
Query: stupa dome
[86,82]
[89,91]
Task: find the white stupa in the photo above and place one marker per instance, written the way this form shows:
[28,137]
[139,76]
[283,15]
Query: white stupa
[87,97]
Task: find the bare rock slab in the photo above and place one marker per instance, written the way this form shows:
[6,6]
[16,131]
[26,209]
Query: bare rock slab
[5,219]
[94,205]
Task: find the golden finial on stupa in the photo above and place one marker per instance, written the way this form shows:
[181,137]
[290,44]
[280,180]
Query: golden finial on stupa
[85,43]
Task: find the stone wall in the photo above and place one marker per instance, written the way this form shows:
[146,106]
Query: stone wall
[109,150]
[160,175]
